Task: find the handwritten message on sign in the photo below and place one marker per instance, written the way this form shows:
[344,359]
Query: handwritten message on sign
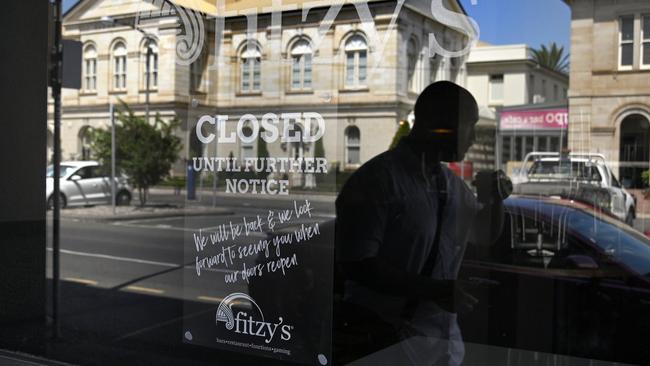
[268,236]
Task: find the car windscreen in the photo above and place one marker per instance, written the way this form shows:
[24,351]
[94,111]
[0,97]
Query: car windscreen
[65,169]
[566,170]
[615,239]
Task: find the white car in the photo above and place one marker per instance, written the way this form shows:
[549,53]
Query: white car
[574,173]
[85,183]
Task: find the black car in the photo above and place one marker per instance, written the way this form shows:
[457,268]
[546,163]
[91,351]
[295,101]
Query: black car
[564,277]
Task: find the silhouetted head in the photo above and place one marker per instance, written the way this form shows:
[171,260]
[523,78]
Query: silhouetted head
[445,115]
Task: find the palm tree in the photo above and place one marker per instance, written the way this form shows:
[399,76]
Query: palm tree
[552,57]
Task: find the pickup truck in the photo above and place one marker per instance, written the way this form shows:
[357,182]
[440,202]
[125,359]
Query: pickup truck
[582,176]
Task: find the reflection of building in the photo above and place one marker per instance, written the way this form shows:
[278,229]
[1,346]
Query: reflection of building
[269,70]
[610,85]
[505,78]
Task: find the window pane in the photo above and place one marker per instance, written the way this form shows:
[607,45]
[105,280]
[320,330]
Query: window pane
[496,87]
[353,155]
[349,68]
[245,75]
[307,76]
[256,74]
[627,29]
[295,75]
[646,53]
[627,54]
[646,27]
[362,66]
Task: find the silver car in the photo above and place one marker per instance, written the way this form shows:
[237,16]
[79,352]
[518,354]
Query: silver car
[86,183]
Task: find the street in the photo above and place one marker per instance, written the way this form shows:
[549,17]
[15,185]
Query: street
[147,255]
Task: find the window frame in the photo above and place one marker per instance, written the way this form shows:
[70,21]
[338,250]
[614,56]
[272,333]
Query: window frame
[197,74]
[153,68]
[412,56]
[349,146]
[247,72]
[491,89]
[116,71]
[355,51]
[90,48]
[300,59]
[622,42]
[644,41]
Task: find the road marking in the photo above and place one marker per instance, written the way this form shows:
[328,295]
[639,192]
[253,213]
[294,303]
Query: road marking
[141,261]
[80,280]
[123,259]
[147,290]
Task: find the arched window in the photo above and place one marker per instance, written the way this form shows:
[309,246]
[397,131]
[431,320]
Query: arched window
[352,146]
[301,55]
[412,55]
[90,68]
[247,149]
[84,143]
[150,49]
[119,66]
[434,66]
[356,61]
[251,59]
[197,73]
[634,150]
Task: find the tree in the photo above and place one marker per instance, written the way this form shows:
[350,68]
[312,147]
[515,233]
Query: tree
[144,152]
[403,130]
[552,57]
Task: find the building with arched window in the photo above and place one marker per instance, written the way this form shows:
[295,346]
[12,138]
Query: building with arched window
[609,96]
[357,75]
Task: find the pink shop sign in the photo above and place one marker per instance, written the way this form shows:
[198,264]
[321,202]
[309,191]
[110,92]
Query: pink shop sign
[544,119]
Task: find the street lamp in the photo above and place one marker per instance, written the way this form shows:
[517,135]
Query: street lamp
[148,39]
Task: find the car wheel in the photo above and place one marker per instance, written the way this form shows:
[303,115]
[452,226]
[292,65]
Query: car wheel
[50,202]
[123,198]
[629,219]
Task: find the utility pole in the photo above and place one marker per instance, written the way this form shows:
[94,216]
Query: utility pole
[56,82]
[113,198]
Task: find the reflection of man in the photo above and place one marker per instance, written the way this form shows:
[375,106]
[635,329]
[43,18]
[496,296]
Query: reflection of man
[403,221]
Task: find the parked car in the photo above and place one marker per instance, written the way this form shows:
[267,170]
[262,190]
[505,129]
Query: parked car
[576,174]
[86,183]
[564,277]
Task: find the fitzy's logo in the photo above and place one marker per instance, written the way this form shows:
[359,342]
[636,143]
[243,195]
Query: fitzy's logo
[191,33]
[250,322]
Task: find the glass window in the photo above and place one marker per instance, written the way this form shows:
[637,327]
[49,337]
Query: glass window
[119,66]
[247,148]
[352,145]
[198,73]
[356,57]
[626,41]
[90,68]
[645,51]
[251,59]
[496,88]
[150,63]
[301,65]
[412,54]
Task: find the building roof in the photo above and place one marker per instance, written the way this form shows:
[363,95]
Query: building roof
[209,7]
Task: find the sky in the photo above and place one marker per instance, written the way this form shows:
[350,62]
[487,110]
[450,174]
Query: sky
[533,22]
